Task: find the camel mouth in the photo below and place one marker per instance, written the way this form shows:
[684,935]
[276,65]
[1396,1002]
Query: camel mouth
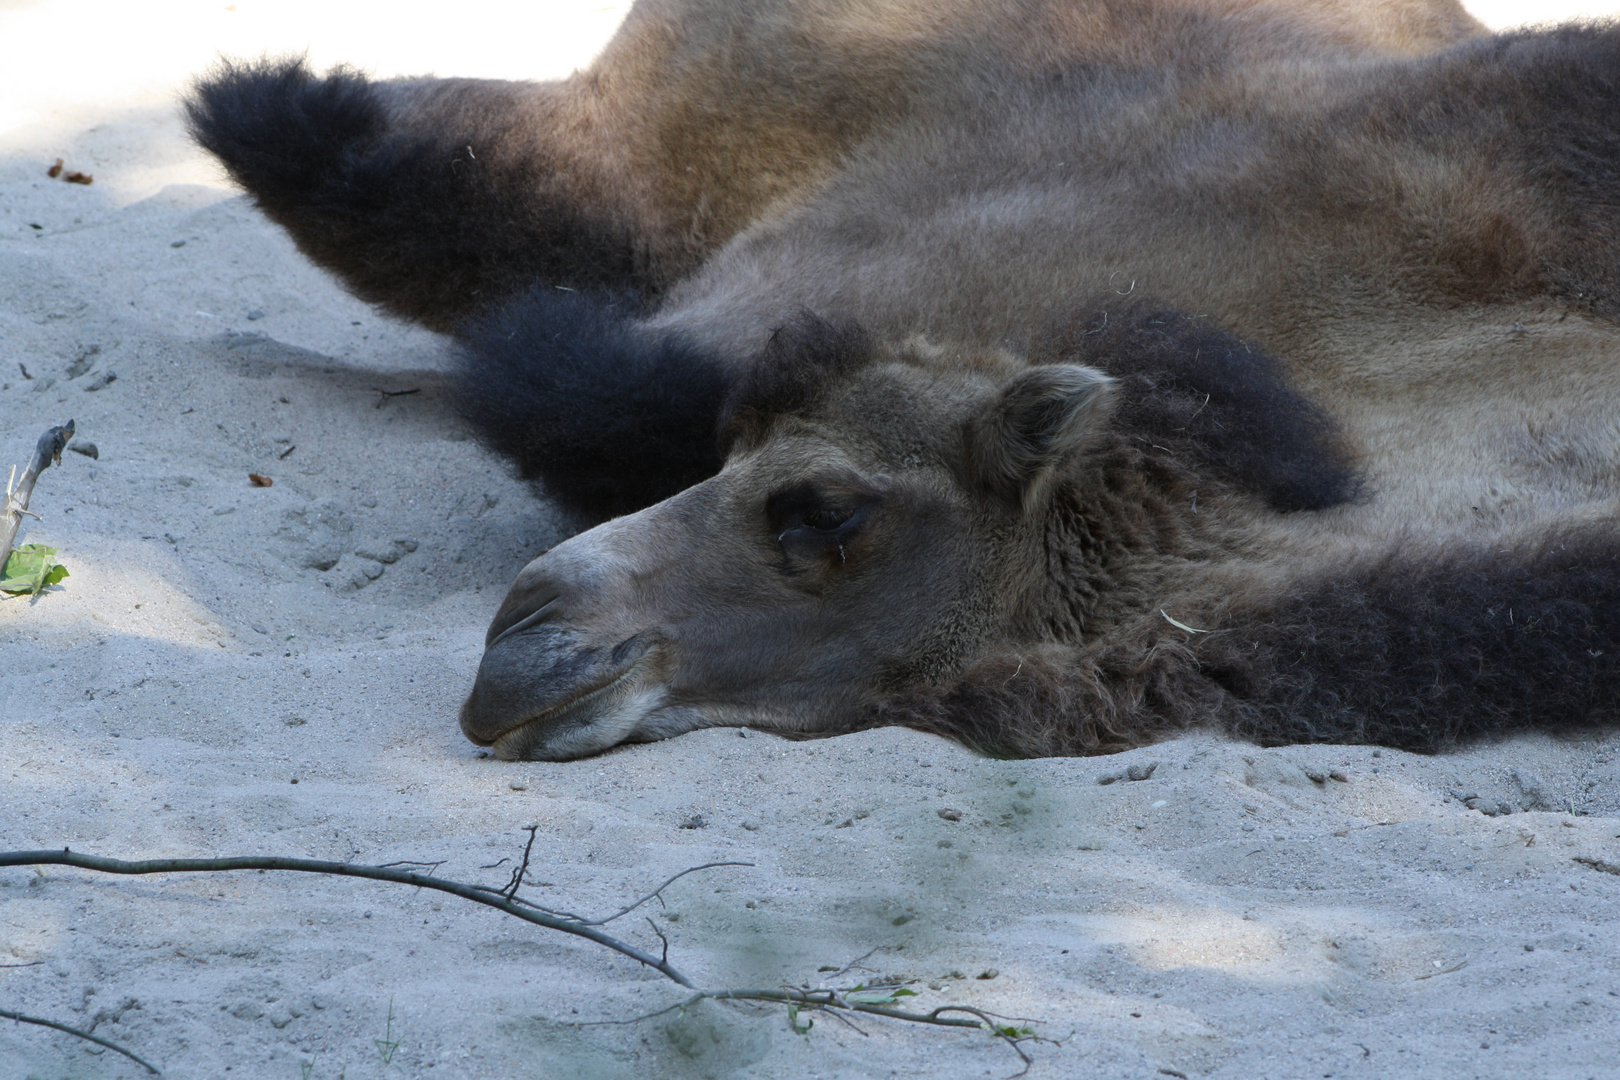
[558,713]
[552,699]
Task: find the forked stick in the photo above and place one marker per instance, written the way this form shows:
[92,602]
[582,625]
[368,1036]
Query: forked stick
[507,900]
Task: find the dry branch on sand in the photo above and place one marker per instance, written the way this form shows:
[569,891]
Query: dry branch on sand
[25,1019]
[15,505]
[837,1002]
[46,451]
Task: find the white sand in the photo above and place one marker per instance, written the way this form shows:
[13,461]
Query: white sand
[1229,917]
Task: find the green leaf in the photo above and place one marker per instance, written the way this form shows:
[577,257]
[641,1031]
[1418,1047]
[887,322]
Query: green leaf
[30,569]
[793,1020]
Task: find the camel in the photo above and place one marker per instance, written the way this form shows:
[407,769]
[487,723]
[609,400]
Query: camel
[1052,375]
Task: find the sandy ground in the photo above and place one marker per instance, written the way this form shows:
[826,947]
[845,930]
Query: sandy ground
[201,685]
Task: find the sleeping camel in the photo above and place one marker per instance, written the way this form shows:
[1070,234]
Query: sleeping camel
[1054,375]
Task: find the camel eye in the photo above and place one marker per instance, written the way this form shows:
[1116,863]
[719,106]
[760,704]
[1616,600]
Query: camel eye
[809,521]
[827,519]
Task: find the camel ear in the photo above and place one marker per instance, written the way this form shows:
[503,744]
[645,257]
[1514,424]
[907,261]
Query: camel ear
[1041,419]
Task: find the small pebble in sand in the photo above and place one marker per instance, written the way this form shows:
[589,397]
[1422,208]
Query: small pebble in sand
[88,449]
[987,973]
[386,553]
[102,381]
[950,815]
[1143,771]
[515,786]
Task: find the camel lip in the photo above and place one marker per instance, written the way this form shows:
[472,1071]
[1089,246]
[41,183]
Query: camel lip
[594,690]
[557,712]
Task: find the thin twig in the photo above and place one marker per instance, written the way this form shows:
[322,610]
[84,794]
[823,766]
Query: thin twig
[9,1015]
[512,886]
[853,964]
[386,394]
[832,1000]
[661,937]
[655,894]
[477,895]
[825,998]
[582,920]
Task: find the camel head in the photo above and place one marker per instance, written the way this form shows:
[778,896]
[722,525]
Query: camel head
[874,527]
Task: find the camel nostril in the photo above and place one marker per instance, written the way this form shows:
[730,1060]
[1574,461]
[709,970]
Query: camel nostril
[627,647]
[501,628]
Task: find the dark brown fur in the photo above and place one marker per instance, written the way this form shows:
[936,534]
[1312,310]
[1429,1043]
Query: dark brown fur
[1188,387]
[1084,370]
[1416,650]
[800,359]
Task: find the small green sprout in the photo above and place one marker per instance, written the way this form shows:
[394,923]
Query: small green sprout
[30,569]
[388,1044]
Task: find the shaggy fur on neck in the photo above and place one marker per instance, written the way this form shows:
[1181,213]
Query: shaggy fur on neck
[1415,650]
